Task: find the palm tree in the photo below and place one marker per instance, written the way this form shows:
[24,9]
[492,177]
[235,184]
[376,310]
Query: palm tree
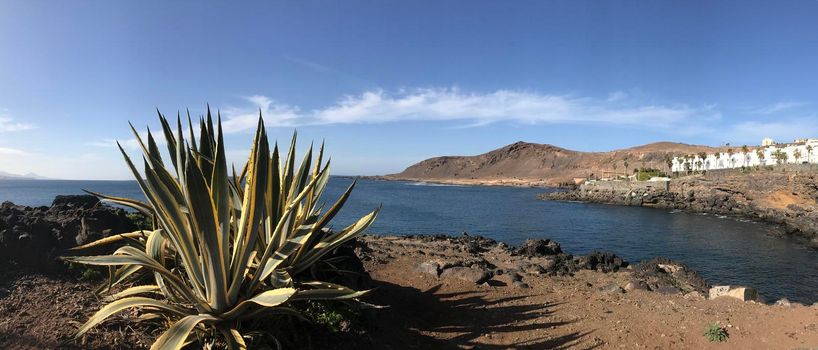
[702,156]
[809,155]
[718,156]
[730,155]
[797,155]
[760,154]
[744,151]
[669,162]
[780,157]
[625,163]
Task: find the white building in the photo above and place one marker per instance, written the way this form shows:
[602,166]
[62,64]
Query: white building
[805,149]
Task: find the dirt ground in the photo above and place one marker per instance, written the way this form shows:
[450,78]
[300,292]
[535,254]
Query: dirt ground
[565,313]
[424,311]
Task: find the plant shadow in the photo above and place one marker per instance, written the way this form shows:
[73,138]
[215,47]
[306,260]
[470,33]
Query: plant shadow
[463,320]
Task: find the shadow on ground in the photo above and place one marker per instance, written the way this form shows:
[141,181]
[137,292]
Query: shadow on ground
[466,320]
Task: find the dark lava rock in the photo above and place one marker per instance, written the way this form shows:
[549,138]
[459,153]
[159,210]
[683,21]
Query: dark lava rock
[539,247]
[75,201]
[662,274]
[35,237]
[602,261]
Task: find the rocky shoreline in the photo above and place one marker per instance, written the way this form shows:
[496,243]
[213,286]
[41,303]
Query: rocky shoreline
[484,261]
[441,292]
[34,237]
[785,199]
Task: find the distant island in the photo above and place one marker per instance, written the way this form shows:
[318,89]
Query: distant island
[29,176]
[533,164]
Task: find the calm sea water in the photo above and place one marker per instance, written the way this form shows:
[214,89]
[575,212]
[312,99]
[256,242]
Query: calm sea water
[723,250]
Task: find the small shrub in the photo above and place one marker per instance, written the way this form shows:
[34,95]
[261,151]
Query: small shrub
[85,273]
[716,333]
[142,221]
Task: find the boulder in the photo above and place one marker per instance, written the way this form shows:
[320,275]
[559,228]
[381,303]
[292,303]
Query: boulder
[475,275]
[539,247]
[784,302]
[602,261]
[429,267]
[663,273]
[737,292]
[636,285]
[75,201]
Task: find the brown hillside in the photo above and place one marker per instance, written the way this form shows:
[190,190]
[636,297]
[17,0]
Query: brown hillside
[524,163]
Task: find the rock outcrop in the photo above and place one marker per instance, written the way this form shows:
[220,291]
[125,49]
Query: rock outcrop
[667,276]
[35,237]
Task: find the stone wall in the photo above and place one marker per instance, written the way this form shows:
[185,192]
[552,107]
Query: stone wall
[624,186]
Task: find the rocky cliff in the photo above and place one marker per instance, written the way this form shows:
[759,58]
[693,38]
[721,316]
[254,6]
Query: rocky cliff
[524,163]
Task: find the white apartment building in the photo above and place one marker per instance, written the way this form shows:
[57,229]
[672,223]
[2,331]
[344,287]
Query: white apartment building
[805,149]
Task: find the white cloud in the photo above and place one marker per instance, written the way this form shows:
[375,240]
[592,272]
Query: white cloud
[452,104]
[13,152]
[777,107]
[7,124]
[246,118]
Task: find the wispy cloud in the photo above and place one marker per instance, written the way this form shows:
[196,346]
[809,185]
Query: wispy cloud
[246,118]
[780,130]
[472,108]
[8,124]
[777,107]
[13,152]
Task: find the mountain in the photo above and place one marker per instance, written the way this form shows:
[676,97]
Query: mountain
[30,176]
[524,163]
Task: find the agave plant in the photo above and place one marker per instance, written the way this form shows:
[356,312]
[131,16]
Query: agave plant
[224,248]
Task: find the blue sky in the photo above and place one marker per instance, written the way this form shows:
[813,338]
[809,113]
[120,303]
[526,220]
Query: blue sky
[389,83]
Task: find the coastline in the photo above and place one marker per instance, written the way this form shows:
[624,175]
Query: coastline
[505,182]
[787,200]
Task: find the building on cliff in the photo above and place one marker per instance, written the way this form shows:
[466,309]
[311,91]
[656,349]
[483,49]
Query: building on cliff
[769,153]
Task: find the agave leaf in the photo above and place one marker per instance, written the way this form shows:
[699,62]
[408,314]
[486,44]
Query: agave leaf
[113,239]
[133,291]
[252,210]
[333,241]
[205,224]
[177,228]
[123,304]
[153,148]
[117,275]
[174,338]
[235,341]
[142,207]
[270,298]
[170,138]
[329,294]
[318,233]
[221,196]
